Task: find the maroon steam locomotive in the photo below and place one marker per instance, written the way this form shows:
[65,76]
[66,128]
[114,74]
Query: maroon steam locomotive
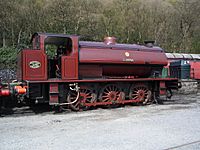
[81,74]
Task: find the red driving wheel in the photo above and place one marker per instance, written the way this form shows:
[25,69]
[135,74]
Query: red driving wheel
[140,92]
[87,95]
[110,93]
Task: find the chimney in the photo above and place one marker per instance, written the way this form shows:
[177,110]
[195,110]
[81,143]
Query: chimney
[110,40]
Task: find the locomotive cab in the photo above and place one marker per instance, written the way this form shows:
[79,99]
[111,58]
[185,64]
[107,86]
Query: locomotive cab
[56,48]
[51,56]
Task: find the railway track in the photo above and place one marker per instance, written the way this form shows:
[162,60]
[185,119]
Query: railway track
[189,144]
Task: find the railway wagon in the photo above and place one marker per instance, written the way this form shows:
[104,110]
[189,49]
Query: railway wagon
[193,60]
[63,71]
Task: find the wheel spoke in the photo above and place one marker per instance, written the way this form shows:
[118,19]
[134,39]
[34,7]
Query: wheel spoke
[104,96]
[105,99]
[76,104]
[107,90]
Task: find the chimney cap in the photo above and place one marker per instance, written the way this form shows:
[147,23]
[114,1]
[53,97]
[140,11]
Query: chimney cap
[109,40]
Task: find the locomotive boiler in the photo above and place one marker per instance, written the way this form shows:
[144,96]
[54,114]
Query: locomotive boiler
[110,59]
[63,71]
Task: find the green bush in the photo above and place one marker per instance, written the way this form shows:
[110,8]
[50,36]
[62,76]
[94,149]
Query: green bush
[8,57]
